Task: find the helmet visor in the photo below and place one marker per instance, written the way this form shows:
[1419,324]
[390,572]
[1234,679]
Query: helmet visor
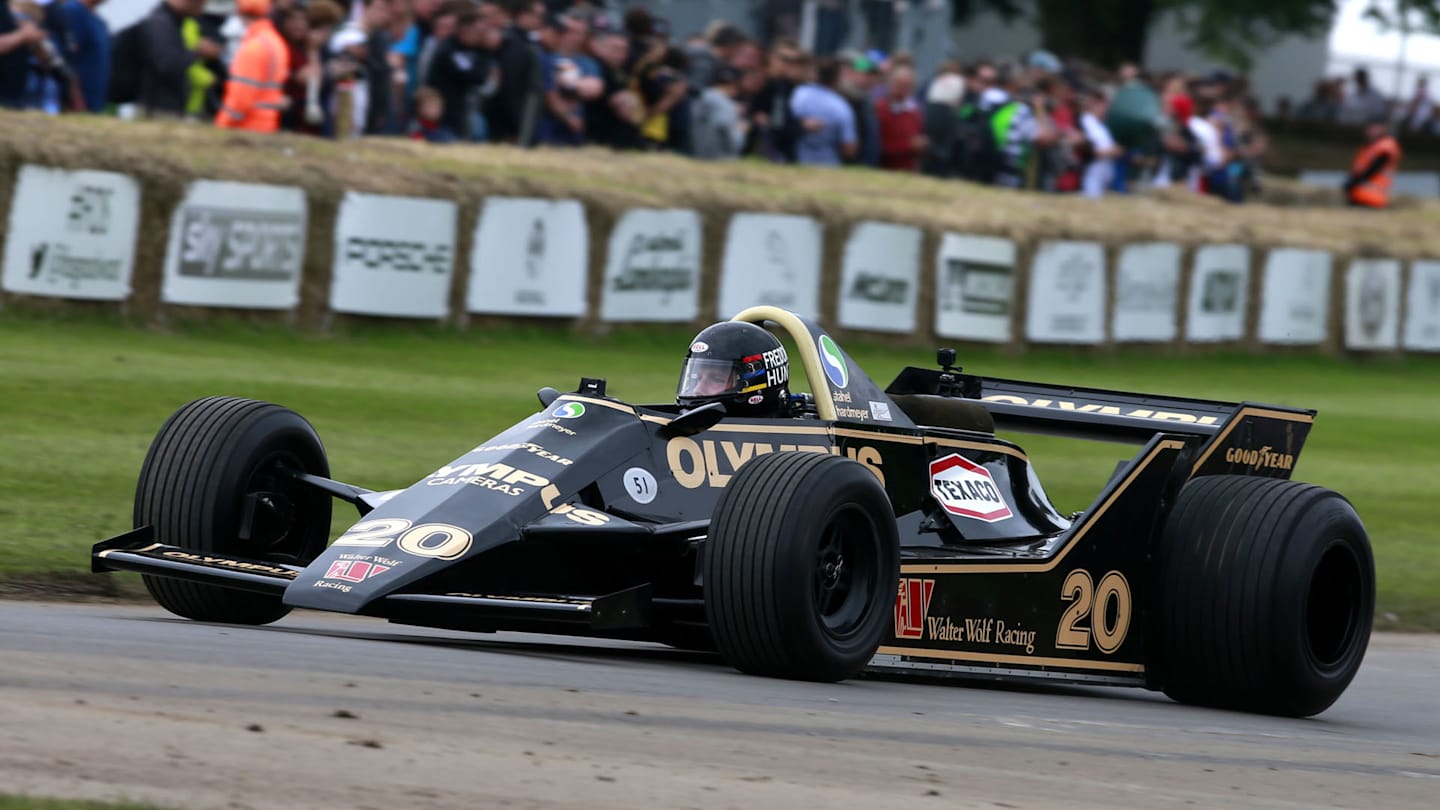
[702,377]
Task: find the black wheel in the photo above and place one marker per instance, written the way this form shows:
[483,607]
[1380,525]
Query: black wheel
[212,482]
[1267,595]
[801,565]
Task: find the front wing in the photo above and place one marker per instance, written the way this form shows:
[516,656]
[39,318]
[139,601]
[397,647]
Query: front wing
[483,612]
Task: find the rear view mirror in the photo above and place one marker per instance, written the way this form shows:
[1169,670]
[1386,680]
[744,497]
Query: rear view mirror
[547,396]
[698,420]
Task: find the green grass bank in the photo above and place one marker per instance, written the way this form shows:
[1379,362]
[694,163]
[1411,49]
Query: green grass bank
[82,397]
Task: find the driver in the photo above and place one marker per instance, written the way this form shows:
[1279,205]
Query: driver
[739,365]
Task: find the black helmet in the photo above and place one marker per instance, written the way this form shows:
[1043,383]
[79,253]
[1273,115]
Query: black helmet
[738,364]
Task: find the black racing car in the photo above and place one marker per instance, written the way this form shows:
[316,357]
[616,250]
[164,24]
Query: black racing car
[867,529]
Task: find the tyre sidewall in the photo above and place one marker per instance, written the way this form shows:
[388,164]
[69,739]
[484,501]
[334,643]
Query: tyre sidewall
[275,435]
[1326,524]
[836,486]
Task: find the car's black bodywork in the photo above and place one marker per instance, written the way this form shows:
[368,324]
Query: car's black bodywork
[591,516]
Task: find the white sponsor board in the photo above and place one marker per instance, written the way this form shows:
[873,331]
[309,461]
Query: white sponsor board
[1422,307]
[1372,304]
[771,259]
[236,245]
[1147,293]
[72,234]
[1067,293]
[394,256]
[529,258]
[974,287]
[1295,297]
[1218,294]
[880,277]
[653,270]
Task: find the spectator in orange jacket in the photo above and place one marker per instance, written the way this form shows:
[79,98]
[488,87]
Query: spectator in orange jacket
[1374,169]
[255,91]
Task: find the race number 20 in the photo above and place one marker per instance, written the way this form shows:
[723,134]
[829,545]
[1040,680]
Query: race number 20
[1108,625]
[440,541]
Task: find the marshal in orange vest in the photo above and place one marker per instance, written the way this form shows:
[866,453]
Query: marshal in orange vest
[1374,191]
[254,92]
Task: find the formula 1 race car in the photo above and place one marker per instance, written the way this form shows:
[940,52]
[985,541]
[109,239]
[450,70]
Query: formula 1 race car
[874,530]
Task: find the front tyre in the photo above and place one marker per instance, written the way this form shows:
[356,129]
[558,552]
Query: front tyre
[213,481]
[801,566]
[1267,595]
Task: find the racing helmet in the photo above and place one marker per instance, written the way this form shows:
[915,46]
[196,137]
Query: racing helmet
[739,365]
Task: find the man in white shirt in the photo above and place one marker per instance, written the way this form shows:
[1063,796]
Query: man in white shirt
[1100,171]
[1193,146]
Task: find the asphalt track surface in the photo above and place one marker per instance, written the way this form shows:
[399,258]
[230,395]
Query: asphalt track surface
[110,701]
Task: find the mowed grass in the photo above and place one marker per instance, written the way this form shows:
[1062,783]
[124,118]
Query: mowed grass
[81,400]
[12,802]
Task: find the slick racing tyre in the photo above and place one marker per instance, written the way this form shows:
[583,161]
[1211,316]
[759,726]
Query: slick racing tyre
[801,566]
[212,482]
[1267,595]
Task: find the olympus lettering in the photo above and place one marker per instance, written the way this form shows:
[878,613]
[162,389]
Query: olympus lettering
[225,562]
[1262,459]
[585,517]
[499,477]
[697,464]
[1103,410]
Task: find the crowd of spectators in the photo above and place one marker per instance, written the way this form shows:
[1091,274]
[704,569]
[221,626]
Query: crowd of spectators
[1330,103]
[565,73]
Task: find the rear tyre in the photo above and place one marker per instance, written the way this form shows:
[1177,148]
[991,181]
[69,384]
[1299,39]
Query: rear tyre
[801,566]
[1267,592]
[212,482]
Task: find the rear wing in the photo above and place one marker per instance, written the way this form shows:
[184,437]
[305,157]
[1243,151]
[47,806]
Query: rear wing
[1096,413]
[1239,437]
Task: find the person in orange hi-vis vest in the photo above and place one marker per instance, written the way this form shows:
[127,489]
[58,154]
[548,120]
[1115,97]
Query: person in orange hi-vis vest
[1374,167]
[254,92]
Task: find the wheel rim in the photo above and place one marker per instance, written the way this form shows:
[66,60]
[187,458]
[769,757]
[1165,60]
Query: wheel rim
[1332,606]
[846,566]
[272,505]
